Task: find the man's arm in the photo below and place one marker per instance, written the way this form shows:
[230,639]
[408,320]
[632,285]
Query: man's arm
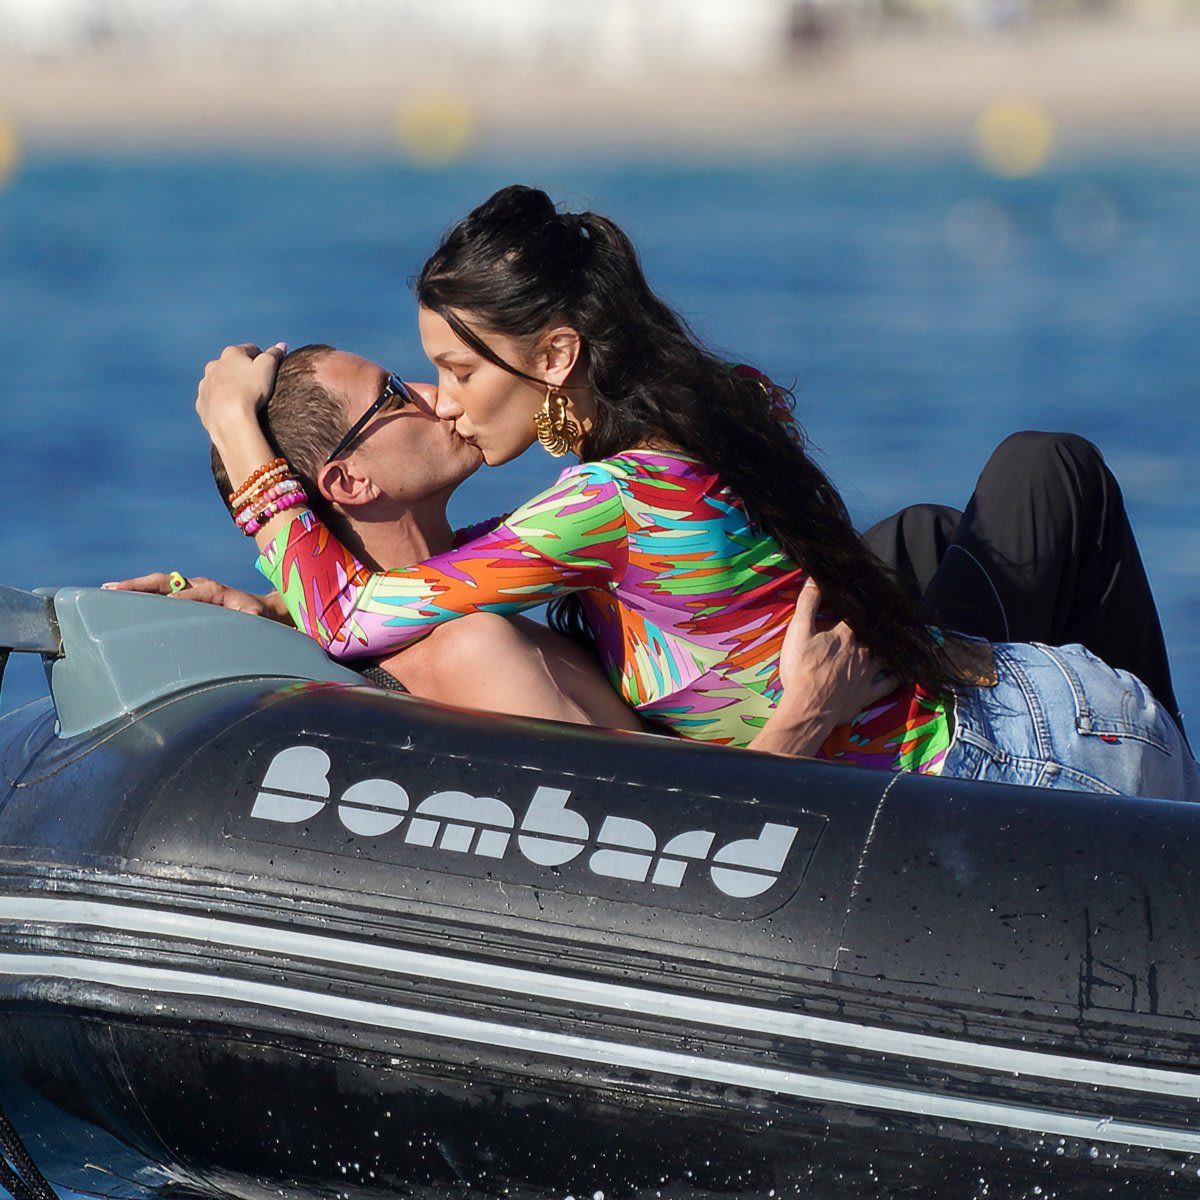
[208,591]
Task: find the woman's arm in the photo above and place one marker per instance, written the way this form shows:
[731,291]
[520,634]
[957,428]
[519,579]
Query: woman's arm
[568,538]
[234,387]
[828,678]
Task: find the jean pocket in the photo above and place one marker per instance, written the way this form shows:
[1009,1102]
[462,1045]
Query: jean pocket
[1110,705]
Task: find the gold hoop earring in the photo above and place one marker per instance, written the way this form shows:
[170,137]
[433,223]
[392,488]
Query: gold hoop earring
[555,429]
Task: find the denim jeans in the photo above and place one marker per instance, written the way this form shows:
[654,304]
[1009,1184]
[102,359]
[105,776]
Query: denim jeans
[1059,717]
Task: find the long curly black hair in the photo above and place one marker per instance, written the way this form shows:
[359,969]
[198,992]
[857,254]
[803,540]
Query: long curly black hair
[515,266]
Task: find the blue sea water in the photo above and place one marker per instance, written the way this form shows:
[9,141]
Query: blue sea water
[922,308]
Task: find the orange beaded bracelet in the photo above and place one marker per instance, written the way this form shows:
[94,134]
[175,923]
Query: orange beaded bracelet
[249,491]
[275,465]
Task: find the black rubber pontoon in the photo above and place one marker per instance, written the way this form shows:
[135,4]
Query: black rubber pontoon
[266,930]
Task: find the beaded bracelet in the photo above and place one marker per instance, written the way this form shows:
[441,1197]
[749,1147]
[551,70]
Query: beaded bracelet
[263,481]
[273,510]
[273,507]
[256,497]
[247,495]
[255,512]
[275,465]
[246,513]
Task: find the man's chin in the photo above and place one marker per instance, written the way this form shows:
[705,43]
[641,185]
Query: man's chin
[472,464]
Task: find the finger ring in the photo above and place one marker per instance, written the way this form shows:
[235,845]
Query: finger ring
[177,581]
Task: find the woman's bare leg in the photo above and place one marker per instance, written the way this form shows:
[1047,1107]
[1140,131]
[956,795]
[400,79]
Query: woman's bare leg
[511,665]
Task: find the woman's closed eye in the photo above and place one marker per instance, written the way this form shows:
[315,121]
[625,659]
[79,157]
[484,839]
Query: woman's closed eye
[459,377]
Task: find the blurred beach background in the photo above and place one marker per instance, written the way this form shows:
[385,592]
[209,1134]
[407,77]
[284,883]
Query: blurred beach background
[940,220]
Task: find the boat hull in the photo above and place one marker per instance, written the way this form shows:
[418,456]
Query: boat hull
[272,937]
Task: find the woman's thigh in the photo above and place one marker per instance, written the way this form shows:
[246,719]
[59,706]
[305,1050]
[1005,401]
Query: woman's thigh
[1062,718]
[511,665]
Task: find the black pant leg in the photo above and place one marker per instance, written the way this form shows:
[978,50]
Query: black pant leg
[1045,553]
[912,542]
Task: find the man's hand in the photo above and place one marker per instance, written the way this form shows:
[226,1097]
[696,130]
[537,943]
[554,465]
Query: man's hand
[207,591]
[235,386]
[829,666]
[828,678]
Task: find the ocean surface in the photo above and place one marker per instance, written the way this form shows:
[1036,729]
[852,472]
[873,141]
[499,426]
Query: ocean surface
[922,308]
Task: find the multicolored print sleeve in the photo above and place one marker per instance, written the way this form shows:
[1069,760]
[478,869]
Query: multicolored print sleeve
[569,538]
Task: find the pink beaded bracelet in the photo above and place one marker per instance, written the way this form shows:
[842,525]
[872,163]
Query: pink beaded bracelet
[273,510]
[251,497]
[279,490]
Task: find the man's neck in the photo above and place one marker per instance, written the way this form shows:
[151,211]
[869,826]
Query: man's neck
[398,536]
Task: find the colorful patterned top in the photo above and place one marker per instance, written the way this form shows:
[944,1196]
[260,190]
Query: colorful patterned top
[689,601]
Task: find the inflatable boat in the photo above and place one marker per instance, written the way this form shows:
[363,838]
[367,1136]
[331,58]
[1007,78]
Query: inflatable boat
[268,930]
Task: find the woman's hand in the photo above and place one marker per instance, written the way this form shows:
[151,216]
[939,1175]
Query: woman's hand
[235,386]
[207,591]
[228,398]
[828,678]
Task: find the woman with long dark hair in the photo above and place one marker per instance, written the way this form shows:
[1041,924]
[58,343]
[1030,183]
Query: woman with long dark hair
[682,539]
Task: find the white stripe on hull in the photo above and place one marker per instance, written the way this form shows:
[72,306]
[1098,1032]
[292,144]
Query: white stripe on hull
[293,945]
[614,1054]
[601,994]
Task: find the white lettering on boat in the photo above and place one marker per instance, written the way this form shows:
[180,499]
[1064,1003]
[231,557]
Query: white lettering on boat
[551,834]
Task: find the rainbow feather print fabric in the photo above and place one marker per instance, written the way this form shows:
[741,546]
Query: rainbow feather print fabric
[688,600]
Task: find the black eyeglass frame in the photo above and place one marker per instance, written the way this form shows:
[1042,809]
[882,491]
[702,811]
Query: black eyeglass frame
[394,389]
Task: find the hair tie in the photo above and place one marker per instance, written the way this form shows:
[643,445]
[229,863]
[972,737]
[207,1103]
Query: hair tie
[574,222]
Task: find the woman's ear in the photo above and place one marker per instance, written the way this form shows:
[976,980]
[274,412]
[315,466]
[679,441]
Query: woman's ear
[559,351]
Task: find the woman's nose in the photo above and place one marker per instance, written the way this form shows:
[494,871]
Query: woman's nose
[446,408]
[426,393]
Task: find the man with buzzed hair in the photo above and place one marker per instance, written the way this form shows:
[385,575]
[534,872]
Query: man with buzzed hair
[385,496]
[303,415]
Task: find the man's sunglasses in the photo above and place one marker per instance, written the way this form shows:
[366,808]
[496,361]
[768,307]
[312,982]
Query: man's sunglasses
[395,395]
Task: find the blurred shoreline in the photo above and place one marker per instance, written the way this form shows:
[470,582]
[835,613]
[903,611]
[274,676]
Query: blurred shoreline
[1104,81]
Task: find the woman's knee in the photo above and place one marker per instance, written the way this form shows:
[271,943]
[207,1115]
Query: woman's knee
[491,662]
[1032,452]
[1061,473]
[470,640]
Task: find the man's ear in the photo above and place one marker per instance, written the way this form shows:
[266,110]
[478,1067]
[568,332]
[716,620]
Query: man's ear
[559,351]
[342,485]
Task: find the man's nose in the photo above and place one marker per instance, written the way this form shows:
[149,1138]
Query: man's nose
[447,409]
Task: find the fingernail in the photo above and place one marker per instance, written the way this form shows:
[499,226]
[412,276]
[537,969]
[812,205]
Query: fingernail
[108,585]
[280,346]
